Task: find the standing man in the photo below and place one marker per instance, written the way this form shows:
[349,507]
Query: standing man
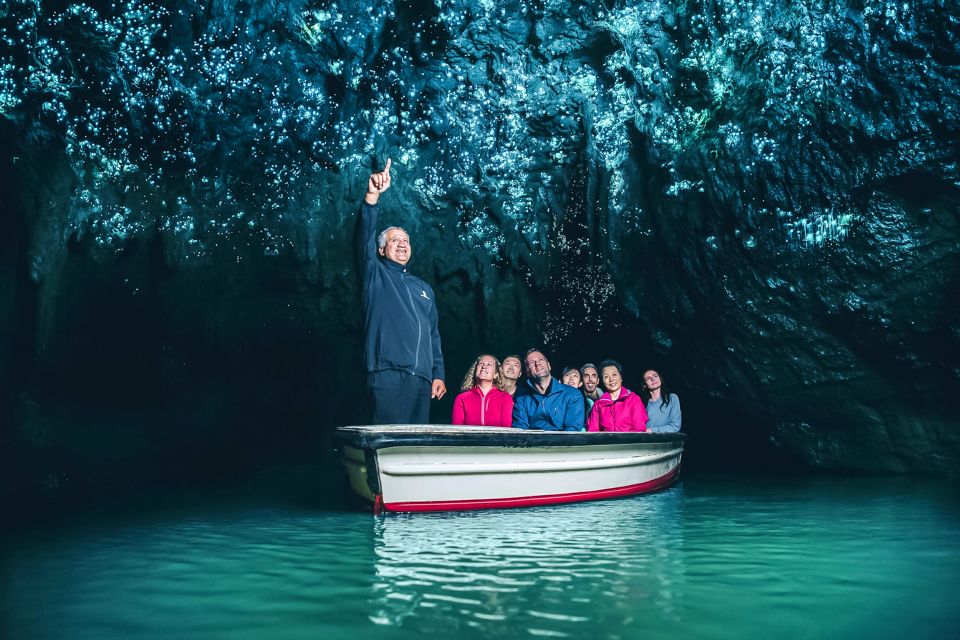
[544,402]
[401,337]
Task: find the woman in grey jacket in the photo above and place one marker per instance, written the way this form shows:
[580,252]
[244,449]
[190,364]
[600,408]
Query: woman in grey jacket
[663,407]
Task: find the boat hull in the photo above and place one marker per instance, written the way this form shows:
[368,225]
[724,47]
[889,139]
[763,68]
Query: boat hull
[443,468]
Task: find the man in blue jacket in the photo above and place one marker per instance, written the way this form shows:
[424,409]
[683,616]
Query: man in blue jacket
[543,402]
[401,337]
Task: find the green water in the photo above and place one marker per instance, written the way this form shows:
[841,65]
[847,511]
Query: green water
[712,557]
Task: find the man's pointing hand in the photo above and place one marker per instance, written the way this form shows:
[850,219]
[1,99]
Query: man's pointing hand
[377,184]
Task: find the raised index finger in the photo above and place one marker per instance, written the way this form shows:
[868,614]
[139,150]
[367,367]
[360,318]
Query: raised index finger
[386,169]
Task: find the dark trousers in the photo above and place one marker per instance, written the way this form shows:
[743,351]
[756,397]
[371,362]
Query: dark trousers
[399,398]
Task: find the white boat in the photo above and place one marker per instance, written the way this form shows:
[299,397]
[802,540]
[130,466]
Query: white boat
[450,468]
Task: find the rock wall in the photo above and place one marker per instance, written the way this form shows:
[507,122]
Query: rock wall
[761,195]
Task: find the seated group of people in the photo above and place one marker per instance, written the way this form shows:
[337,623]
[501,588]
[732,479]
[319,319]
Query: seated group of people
[494,395]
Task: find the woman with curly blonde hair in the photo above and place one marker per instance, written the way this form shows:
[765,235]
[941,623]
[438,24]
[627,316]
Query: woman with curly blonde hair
[482,401]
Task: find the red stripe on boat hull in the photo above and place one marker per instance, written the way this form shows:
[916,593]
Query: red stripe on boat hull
[535,501]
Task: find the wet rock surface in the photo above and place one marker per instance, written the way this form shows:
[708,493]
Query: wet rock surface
[759,197]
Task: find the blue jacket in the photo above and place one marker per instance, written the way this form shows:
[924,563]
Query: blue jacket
[399,313]
[559,409]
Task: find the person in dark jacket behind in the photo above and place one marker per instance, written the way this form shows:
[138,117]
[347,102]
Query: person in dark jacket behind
[543,402]
[590,380]
[401,338]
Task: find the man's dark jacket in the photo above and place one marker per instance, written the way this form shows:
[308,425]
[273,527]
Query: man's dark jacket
[399,314]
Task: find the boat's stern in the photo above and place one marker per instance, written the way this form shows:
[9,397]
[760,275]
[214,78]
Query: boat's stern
[359,471]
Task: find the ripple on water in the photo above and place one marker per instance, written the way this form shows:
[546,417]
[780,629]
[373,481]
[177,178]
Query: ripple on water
[721,559]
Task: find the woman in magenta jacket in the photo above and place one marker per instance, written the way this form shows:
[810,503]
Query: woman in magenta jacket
[619,409]
[482,402]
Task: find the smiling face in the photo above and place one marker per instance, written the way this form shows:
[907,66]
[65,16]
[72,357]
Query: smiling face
[486,369]
[590,380]
[612,381]
[572,378]
[538,367]
[511,368]
[397,246]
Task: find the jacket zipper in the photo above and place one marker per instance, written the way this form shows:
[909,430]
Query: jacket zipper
[413,307]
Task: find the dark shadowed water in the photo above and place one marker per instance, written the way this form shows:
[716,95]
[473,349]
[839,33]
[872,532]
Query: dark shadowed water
[712,557]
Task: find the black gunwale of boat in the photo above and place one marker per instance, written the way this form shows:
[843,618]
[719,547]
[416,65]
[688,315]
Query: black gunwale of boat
[511,438]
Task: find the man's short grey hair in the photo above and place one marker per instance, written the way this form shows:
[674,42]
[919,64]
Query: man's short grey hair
[382,238]
[589,365]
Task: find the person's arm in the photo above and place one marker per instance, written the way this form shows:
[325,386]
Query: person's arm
[366,236]
[438,388]
[459,415]
[640,417]
[365,248]
[520,418]
[573,420]
[506,410]
[593,422]
[673,417]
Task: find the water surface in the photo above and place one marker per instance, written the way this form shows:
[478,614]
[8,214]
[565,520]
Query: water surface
[718,557]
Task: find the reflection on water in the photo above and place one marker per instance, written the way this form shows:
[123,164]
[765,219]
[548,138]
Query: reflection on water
[710,557]
[545,571]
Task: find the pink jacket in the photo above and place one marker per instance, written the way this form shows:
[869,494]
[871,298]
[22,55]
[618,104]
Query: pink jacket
[626,413]
[493,410]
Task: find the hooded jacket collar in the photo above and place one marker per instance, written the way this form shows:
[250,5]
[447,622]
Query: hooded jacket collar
[624,394]
[550,387]
[476,389]
[396,266]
